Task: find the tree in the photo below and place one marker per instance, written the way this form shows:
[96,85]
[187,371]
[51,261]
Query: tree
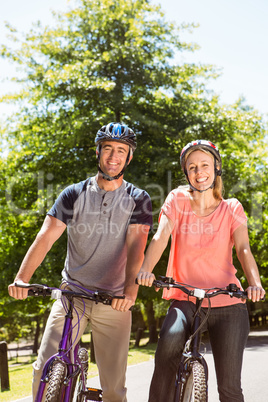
[104,61]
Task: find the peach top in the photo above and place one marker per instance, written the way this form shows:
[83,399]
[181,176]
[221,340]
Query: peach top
[201,246]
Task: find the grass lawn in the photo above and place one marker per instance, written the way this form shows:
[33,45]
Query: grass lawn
[20,381]
[20,369]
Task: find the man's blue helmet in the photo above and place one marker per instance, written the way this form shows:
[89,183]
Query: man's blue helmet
[120,133]
[116,132]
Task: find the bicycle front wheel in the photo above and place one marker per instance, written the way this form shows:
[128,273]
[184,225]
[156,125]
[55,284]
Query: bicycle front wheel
[195,387]
[55,389]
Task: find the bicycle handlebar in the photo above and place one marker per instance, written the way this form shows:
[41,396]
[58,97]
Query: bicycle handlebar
[56,293]
[232,289]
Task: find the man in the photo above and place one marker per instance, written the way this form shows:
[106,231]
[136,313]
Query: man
[108,221]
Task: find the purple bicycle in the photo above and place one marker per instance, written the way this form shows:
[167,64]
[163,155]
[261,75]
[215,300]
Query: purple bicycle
[64,375]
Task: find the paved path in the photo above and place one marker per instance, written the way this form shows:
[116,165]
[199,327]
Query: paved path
[254,375]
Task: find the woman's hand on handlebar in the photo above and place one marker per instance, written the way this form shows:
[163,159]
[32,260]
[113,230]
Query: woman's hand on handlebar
[255,293]
[16,291]
[145,278]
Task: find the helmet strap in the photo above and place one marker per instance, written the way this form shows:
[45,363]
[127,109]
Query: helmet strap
[200,191]
[110,178]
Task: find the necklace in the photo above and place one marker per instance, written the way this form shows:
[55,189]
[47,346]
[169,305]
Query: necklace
[204,211]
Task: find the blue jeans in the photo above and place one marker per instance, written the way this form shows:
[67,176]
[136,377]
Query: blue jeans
[228,329]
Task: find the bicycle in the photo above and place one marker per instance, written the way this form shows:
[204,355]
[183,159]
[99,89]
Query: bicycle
[192,376]
[64,375]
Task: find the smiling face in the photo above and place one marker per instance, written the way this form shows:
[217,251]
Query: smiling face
[200,169]
[113,156]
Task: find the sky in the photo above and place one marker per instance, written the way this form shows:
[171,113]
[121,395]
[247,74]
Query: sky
[232,36]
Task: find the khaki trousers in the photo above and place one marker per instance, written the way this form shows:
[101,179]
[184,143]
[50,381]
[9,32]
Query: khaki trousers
[111,334]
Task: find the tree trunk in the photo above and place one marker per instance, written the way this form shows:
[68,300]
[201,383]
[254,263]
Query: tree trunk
[36,336]
[4,376]
[118,116]
[153,336]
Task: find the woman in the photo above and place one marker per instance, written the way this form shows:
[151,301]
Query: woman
[204,229]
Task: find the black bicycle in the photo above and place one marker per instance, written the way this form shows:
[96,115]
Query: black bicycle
[192,377]
[64,375]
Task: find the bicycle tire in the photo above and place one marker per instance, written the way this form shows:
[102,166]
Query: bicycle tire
[55,384]
[195,387]
[77,387]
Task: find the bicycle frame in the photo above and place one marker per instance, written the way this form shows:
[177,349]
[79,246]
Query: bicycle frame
[64,354]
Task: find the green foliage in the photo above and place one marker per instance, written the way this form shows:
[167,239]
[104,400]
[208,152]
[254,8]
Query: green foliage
[104,61]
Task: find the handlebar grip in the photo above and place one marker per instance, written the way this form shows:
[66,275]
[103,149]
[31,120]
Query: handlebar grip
[22,285]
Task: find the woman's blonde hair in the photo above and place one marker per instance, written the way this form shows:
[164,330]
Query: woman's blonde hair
[218,189]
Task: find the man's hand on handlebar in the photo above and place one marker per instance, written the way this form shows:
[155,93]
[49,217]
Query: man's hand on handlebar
[123,304]
[16,291]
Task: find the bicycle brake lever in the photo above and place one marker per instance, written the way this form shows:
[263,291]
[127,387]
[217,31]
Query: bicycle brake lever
[166,279]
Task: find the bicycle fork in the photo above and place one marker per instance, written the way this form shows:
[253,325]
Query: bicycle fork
[191,353]
[60,355]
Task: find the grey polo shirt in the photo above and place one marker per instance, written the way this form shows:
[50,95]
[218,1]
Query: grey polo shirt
[97,222]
